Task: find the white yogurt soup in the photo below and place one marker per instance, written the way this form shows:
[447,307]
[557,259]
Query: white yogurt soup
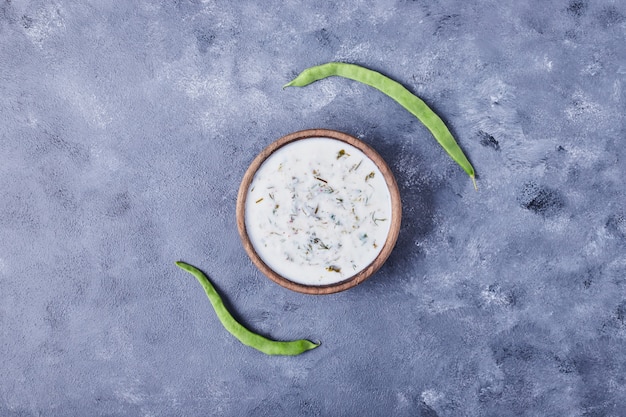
[318,211]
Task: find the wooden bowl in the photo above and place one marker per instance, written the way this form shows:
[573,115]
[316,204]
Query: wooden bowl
[363,274]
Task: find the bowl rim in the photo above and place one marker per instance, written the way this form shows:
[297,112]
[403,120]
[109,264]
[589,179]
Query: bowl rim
[394,228]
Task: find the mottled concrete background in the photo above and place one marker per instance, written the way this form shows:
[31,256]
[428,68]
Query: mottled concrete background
[126,127]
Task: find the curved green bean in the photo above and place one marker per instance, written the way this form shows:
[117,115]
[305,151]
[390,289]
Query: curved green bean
[397,92]
[245,336]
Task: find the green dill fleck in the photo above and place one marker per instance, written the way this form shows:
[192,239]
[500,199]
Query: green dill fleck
[355,166]
[259,200]
[322,180]
[342,153]
[369,176]
[321,244]
[376,220]
[317,209]
[356,217]
[333,268]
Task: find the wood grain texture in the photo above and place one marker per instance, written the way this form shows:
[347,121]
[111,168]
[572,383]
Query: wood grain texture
[396,212]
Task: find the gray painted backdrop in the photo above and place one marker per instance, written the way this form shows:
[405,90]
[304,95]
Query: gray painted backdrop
[126,127]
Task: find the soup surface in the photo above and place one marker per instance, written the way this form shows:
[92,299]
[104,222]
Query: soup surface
[318,211]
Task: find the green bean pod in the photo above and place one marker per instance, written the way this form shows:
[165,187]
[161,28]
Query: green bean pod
[397,92]
[245,336]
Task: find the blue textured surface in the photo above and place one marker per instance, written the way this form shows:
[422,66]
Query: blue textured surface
[126,127]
